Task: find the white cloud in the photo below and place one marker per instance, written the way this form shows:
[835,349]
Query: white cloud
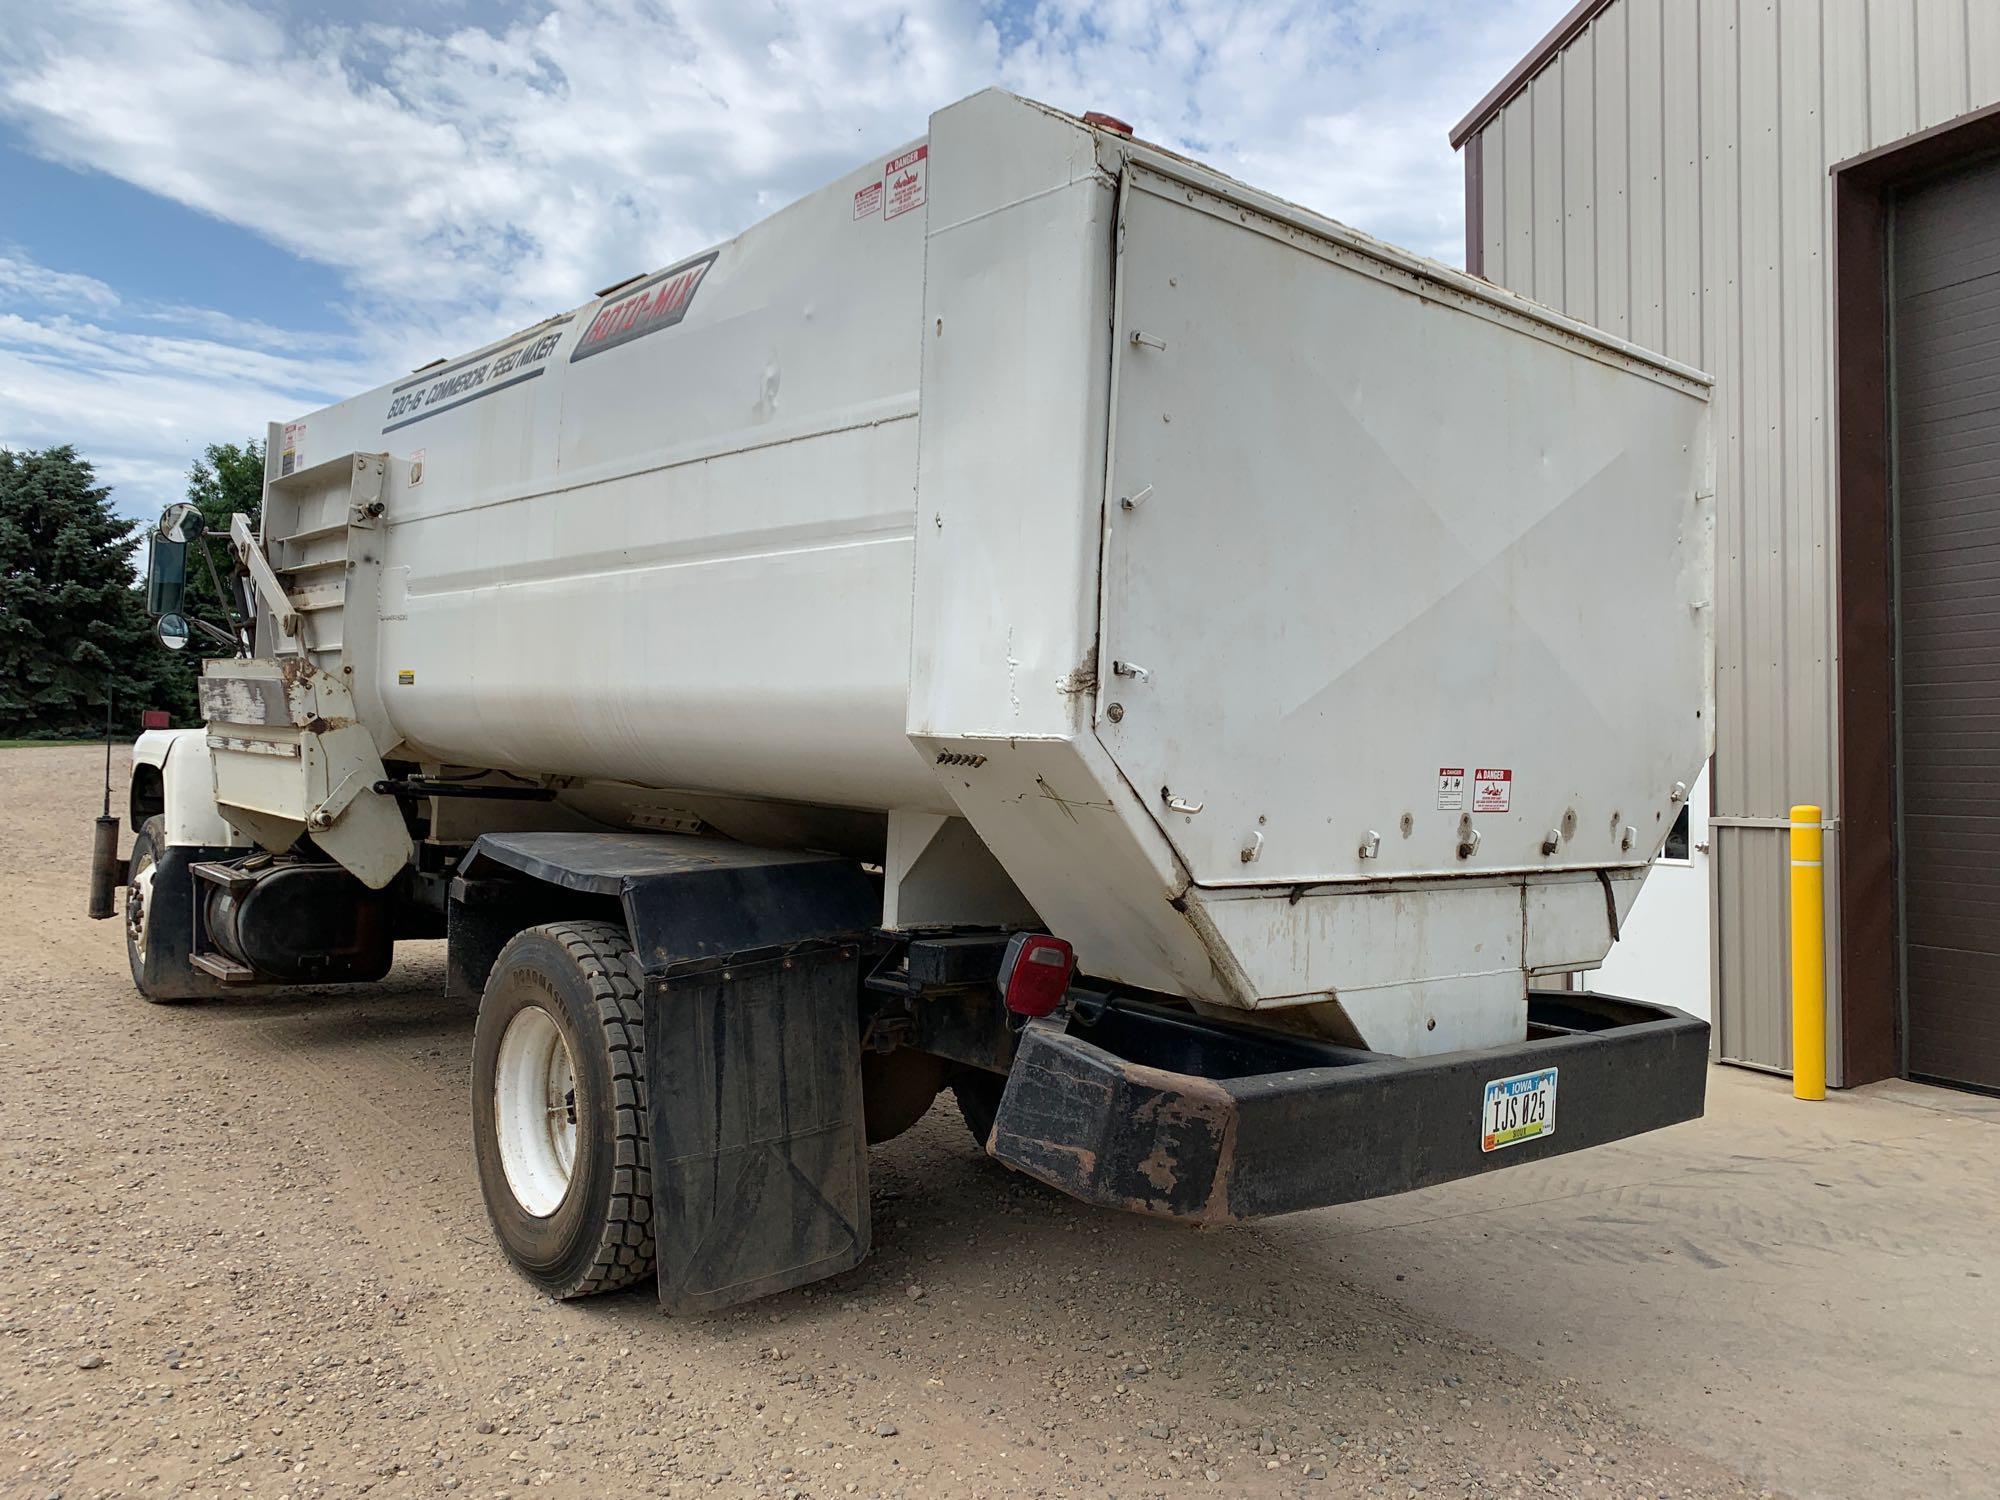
[142,406]
[23,282]
[468,178]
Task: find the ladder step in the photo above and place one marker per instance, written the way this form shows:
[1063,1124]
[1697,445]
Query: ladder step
[228,970]
[305,601]
[312,534]
[325,564]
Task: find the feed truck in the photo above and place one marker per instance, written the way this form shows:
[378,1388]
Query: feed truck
[1036,619]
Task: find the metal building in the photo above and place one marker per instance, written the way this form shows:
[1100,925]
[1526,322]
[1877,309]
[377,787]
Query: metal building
[1803,198]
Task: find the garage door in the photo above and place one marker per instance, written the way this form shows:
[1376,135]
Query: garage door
[1946,390]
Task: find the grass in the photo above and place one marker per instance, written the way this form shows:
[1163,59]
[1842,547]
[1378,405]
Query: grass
[44,744]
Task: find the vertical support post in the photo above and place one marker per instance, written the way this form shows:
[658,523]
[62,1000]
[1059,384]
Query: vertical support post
[1808,956]
[105,873]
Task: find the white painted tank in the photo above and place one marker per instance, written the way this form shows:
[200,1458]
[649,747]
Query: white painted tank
[1301,625]
[666,538]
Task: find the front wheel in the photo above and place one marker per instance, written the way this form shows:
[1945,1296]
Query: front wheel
[149,945]
[559,1108]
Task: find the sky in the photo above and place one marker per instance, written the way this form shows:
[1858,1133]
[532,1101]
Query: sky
[216,214]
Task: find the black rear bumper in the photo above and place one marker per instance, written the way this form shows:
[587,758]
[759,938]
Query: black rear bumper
[1159,1112]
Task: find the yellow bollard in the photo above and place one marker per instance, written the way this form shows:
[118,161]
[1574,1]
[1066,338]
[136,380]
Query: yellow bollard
[1808,957]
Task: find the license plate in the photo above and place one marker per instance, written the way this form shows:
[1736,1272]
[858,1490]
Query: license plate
[1521,1108]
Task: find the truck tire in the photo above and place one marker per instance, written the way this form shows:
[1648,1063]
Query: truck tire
[978,1095]
[147,843]
[559,1119]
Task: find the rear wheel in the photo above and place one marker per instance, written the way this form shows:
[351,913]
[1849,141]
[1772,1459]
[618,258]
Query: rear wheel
[978,1095]
[559,1108]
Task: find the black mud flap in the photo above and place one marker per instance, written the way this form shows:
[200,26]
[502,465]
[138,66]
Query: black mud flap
[752,960]
[1156,1111]
[760,1152]
[171,927]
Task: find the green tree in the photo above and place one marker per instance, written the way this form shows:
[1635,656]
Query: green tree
[72,623]
[227,478]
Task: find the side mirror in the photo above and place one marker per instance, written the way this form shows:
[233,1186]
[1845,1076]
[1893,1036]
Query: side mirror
[173,632]
[182,522]
[166,575]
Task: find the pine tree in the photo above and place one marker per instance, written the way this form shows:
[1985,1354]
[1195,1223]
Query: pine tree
[71,622]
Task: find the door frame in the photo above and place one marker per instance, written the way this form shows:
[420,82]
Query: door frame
[1869,962]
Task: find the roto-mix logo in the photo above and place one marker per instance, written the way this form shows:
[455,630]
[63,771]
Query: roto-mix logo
[657,302]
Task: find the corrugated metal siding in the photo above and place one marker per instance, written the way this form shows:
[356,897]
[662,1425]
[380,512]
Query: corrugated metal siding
[1665,176]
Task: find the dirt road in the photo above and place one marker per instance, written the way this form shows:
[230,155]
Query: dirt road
[242,1252]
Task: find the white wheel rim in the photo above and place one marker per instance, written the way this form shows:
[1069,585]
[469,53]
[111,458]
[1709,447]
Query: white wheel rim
[139,906]
[534,1111]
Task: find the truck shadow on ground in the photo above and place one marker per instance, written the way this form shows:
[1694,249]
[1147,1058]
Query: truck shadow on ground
[942,1210]
[1247,1312]
[989,1301]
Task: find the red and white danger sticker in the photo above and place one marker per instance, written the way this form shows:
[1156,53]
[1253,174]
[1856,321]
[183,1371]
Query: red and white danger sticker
[1451,788]
[1492,790]
[903,182]
[868,200]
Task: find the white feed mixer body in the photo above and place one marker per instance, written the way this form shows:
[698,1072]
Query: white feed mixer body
[1294,625]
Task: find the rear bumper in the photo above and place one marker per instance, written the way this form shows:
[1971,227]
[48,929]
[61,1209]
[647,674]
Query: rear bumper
[1158,1112]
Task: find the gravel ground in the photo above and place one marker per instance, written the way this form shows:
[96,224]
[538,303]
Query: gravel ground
[243,1253]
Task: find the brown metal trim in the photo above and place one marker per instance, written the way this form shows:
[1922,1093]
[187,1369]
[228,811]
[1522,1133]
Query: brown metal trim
[1518,77]
[1925,152]
[1871,1009]
[1475,205]
[1870,1012]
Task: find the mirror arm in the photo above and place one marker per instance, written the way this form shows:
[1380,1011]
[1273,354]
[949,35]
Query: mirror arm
[216,633]
[238,639]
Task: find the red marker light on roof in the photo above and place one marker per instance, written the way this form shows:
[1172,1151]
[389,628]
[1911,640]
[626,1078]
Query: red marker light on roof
[1034,976]
[1106,122]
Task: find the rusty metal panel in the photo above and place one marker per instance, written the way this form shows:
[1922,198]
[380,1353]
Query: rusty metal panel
[1159,1113]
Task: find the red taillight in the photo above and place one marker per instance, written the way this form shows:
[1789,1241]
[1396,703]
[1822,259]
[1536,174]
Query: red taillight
[1034,975]
[1106,122]
[153,718]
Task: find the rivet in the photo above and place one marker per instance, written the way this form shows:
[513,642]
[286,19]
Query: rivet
[1115,712]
